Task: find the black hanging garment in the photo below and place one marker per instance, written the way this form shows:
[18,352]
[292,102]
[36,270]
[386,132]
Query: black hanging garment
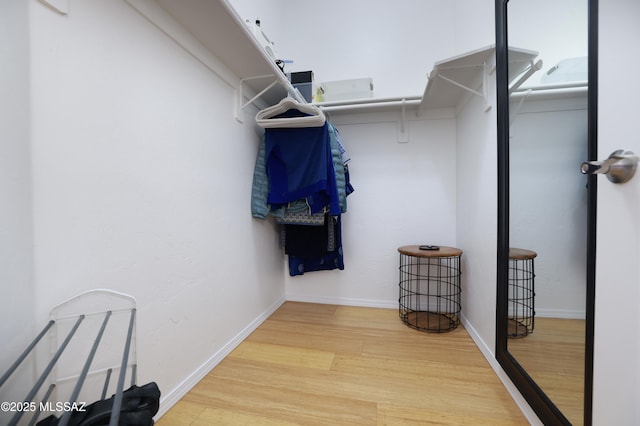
[327,253]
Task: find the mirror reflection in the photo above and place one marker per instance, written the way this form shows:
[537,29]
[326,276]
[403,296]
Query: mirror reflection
[548,198]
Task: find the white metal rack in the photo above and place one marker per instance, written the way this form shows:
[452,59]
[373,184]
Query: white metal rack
[98,327]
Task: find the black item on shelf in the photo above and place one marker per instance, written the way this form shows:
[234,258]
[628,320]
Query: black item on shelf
[303,81]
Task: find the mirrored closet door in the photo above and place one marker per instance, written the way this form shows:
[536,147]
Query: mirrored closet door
[547,205]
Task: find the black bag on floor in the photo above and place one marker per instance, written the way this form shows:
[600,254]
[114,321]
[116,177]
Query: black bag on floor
[139,405]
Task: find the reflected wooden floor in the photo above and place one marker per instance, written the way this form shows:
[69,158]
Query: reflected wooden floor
[311,364]
[553,355]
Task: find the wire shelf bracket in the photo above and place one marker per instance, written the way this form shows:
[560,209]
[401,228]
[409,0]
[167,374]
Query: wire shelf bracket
[243,91]
[240,94]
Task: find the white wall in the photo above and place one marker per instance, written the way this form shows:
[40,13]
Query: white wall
[141,177]
[473,24]
[16,258]
[476,216]
[556,35]
[413,199]
[548,199]
[476,191]
[141,184]
[338,40]
[404,194]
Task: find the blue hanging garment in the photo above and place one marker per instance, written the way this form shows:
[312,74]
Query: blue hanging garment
[299,165]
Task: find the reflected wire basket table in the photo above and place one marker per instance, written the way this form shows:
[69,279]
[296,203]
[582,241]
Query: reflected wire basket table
[430,288]
[521,292]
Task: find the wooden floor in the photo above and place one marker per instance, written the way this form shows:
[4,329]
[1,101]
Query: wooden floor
[553,355]
[312,364]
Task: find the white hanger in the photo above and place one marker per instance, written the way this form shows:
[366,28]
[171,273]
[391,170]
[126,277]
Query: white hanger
[316,117]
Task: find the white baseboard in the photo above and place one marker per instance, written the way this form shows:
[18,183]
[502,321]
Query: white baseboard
[506,381]
[369,303]
[558,313]
[172,397]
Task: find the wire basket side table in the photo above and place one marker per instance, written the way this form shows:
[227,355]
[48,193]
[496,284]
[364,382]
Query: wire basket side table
[430,288]
[521,292]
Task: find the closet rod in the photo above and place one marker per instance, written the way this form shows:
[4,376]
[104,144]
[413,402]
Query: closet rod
[551,86]
[357,102]
[371,105]
[551,91]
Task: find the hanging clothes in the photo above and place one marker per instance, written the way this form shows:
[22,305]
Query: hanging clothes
[301,178]
[299,165]
[333,259]
[309,241]
[260,208]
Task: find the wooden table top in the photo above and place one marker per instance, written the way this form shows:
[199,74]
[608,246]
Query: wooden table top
[440,252]
[521,254]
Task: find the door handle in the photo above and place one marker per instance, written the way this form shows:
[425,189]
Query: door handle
[619,167]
